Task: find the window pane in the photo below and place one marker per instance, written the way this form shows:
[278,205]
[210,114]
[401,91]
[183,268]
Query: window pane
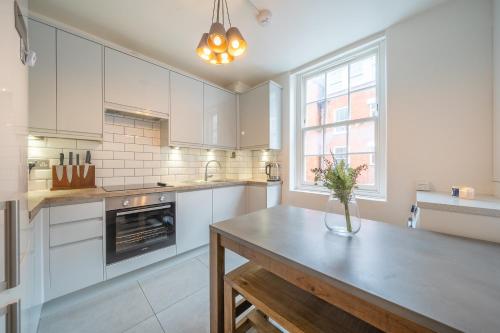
[336,140]
[362,137]
[315,88]
[366,177]
[362,73]
[314,113]
[337,109]
[313,142]
[336,82]
[311,162]
[364,104]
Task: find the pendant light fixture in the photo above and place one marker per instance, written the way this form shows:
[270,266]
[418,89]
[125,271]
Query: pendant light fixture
[218,46]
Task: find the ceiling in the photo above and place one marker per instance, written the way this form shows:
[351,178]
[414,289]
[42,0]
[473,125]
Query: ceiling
[169,30]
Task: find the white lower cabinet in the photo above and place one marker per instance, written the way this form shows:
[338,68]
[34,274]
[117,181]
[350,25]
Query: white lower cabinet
[75,266]
[74,248]
[229,202]
[262,197]
[193,218]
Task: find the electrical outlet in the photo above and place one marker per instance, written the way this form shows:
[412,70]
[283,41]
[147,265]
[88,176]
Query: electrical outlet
[40,164]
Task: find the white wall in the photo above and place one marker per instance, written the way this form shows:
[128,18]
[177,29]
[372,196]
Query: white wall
[439,108]
[496,56]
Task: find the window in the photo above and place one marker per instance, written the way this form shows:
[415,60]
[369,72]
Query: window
[341,111]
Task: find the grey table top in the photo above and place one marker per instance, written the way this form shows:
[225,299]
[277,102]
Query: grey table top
[441,281]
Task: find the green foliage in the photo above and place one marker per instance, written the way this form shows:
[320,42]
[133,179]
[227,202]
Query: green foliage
[338,177]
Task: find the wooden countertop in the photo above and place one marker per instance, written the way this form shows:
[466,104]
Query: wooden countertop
[45,198]
[481,205]
[441,282]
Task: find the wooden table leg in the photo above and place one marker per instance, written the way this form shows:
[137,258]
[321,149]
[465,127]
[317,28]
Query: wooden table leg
[216,283]
[229,308]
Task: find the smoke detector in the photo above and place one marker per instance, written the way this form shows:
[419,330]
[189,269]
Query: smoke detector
[264,17]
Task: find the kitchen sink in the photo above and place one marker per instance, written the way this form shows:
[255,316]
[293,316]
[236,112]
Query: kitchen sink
[201,181]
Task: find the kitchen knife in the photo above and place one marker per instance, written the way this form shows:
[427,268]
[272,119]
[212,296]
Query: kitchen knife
[70,158]
[77,159]
[87,157]
[78,165]
[61,159]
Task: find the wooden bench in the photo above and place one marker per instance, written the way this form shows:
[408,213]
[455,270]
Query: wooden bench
[292,308]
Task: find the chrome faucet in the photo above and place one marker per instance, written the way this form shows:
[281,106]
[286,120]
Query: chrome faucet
[206,169]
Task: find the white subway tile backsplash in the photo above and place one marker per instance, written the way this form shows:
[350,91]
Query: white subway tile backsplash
[134,148]
[123,138]
[113,129]
[123,172]
[113,164]
[131,154]
[134,180]
[152,164]
[124,121]
[144,156]
[141,140]
[114,146]
[134,131]
[123,155]
[143,172]
[134,164]
[102,155]
[113,181]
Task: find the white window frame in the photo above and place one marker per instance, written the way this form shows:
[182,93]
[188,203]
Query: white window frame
[376,47]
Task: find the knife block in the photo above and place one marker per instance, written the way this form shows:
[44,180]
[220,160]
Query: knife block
[77,179]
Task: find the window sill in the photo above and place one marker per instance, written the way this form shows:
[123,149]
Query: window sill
[375,196]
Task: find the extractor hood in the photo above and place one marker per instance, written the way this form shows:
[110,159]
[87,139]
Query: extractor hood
[112,108]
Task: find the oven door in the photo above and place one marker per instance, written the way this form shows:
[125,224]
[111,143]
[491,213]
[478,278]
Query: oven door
[135,231]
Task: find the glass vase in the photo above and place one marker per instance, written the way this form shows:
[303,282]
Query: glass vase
[342,216]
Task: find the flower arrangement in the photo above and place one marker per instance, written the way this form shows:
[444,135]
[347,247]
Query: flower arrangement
[340,178]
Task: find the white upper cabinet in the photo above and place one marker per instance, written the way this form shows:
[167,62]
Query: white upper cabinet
[42,77]
[186,114]
[220,118]
[135,83]
[79,84]
[260,117]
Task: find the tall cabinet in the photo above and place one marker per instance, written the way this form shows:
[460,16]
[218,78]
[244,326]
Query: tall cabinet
[220,117]
[79,84]
[66,84]
[260,117]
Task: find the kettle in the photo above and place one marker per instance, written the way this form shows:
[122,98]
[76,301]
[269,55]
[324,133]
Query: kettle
[273,172]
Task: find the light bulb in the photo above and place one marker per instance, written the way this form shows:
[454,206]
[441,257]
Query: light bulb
[207,51]
[235,44]
[217,40]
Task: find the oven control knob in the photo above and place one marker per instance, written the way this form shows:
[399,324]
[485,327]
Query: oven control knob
[162,198]
[125,203]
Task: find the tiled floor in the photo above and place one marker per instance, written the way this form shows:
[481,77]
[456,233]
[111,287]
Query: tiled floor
[171,300]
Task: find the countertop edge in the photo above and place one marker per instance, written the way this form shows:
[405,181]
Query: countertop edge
[43,199]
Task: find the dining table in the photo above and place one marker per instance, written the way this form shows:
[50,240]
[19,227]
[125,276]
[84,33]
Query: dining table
[392,277]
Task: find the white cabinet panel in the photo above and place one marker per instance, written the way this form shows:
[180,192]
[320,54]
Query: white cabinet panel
[186,114]
[76,212]
[229,202]
[260,117]
[256,198]
[75,266]
[133,82]
[193,217]
[262,197]
[42,77]
[79,84]
[220,117]
[75,231]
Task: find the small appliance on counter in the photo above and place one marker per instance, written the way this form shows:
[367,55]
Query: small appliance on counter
[273,172]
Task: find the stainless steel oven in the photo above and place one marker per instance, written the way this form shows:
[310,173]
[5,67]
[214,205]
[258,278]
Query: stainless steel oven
[139,224]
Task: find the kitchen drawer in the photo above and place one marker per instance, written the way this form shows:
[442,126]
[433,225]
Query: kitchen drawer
[75,266]
[78,212]
[75,231]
